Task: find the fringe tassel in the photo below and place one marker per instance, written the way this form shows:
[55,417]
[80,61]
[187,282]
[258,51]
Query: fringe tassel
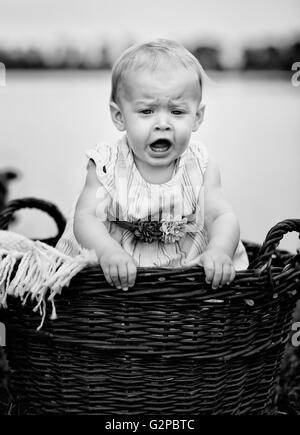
[40,268]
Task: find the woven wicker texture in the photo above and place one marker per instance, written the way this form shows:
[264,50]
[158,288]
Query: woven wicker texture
[170,345]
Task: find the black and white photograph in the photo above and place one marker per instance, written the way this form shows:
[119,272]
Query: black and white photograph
[149,210]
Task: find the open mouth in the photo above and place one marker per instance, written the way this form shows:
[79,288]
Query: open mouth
[160,145]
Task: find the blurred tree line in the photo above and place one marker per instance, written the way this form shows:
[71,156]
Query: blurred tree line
[268,57]
[271,57]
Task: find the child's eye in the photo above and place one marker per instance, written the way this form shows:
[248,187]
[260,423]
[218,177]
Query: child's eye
[146,111]
[177,112]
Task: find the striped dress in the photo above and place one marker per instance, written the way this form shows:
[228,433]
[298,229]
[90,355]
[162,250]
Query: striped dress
[124,195]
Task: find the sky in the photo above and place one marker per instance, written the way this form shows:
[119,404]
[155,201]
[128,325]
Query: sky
[44,23]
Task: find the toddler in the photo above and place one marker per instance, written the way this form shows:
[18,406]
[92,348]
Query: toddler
[154,198]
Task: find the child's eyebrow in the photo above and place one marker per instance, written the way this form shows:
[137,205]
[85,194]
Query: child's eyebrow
[177,100]
[150,100]
[147,100]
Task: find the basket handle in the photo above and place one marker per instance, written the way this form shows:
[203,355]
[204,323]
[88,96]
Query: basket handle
[269,246]
[7,213]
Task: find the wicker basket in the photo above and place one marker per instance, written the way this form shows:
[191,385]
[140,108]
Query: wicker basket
[170,345]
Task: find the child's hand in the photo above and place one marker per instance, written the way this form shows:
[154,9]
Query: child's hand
[218,267]
[119,268]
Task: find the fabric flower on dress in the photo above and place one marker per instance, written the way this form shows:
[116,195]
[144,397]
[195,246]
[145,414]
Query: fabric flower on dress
[173,231]
[148,231]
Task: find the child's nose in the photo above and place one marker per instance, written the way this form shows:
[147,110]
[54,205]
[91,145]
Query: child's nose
[162,122]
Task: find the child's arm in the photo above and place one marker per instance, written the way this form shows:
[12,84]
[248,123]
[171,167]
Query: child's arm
[118,266]
[223,231]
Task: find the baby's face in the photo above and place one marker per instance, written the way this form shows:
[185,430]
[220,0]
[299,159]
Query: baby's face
[159,110]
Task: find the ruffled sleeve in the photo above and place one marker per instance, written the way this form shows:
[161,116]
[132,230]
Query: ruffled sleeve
[104,157]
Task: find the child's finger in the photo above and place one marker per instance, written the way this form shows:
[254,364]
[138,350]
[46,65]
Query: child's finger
[113,272]
[209,270]
[131,274]
[226,273]
[122,270]
[123,274]
[218,273]
[232,274]
[105,270]
[107,276]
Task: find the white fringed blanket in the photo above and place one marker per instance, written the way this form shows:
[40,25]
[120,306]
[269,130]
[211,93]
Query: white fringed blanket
[40,268]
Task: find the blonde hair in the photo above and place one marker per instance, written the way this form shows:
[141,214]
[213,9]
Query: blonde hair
[149,55]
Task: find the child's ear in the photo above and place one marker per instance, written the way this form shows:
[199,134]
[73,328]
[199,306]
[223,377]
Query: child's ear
[199,116]
[117,116]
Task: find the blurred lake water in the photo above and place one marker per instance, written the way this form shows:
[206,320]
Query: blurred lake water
[251,126]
